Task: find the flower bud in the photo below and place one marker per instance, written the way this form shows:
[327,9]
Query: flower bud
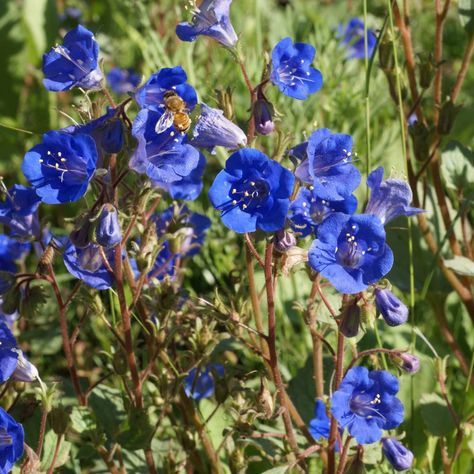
[25,371]
[407,362]
[119,362]
[447,117]
[108,232]
[426,70]
[391,308]
[421,137]
[284,240]
[350,321]
[59,420]
[367,314]
[263,116]
[265,400]
[398,456]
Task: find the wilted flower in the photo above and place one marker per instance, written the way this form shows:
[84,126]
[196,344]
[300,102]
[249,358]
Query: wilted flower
[61,166]
[398,456]
[211,19]
[292,71]
[351,252]
[391,308]
[11,441]
[25,371]
[123,80]
[319,426]
[365,404]
[74,64]
[108,232]
[354,38]
[252,192]
[201,384]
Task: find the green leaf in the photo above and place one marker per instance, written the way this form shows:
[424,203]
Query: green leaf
[277,470]
[461,265]
[137,431]
[436,415]
[466,14]
[457,166]
[82,420]
[49,447]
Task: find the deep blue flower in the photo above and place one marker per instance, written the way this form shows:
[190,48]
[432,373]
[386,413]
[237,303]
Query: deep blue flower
[292,71]
[8,353]
[354,38]
[10,251]
[298,152]
[61,166]
[351,252]
[308,210]
[365,404]
[319,426]
[211,18]
[108,232]
[87,265]
[252,192]
[390,198]
[263,113]
[391,308]
[11,442]
[163,157]
[398,456]
[201,384]
[213,129]
[328,166]
[74,64]
[123,80]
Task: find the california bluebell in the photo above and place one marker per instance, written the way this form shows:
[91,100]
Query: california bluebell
[8,353]
[398,455]
[123,80]
[11,441]
[308,210]
[391,308]
[365,404]
[353,38]
[74,64]
[201,383]
[328,166]
[211,19]
[213,129]
[25,371]
[320,424]
[351,252]
[61,166]
[252,192]
[390,198]
[298,152]
[408,362]
[263,112]
[292,71]
[108,232]
[10,251]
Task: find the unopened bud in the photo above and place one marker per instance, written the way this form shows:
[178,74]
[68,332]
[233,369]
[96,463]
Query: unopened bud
[426,70]
[263,112]
[386,54]
[391,308]
[108,232]
[368,313]
[421,137]
[284,240]
[59,420]
[447,117]
[407,362]
[265,400]
[224,100]
[350,320]
[119,362]
[398,456]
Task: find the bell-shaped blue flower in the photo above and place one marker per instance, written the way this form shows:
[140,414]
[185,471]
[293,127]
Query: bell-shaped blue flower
[8,353]
[201,383]
[25,371]
[292,71]
[391,308]
[61,166]
[252,192]
[308,210]
[365,404]
[351,252]
[10,251]
[320,424]
[390,198]
[400,457]
[213,129]
[328,166]
[353,38]
[108,232]
[74,63]
[211,19]
[12,439]
[123,80]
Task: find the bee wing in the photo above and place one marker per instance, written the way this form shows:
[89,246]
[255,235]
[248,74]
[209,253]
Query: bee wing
[164,122]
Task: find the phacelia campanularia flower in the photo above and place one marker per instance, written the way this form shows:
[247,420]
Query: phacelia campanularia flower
[351,252]
[292,72]
[11,250]
[61,166]
[211,19]
[400,457]
[391,308]
[320,423]
[252,192]
[201,383]
[108,232]
[353,38]
[213,129]
[365,403]
[328,165]
[390,198]
[308,210]
[123,80]
[74,63]
[11,441]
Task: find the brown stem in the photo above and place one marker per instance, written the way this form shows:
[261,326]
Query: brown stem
[42,431]
[108,462]
[368,352]
[343,458]
[318,373]
[252,249]
[55,455]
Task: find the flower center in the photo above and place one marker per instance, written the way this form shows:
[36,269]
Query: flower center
[57,162]
[350,252]
[249,194]
[364,405]
[79,63]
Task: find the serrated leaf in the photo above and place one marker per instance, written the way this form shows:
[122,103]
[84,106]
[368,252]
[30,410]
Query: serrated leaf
[461,265]
[466,14]
[457,166]
[436,415]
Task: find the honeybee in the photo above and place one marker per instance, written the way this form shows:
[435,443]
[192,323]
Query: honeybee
[175,114]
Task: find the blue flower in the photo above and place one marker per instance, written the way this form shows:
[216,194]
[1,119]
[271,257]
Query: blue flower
[213,129]
[365,404]
[123,80]
[398,456]
[252,192]
[351,252]
[61,166]
[391,308]
[292,71]
[263,113]
[108,232]
[12,438]
[74,64]
[201,384]
[163,267]
[8,353]
[354,38]
[211,19]
[308,210]
[319,426]
[390,198]
[87,265]
[328,166]
[298,152]
[163,157]
[10,251]
[152,94]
